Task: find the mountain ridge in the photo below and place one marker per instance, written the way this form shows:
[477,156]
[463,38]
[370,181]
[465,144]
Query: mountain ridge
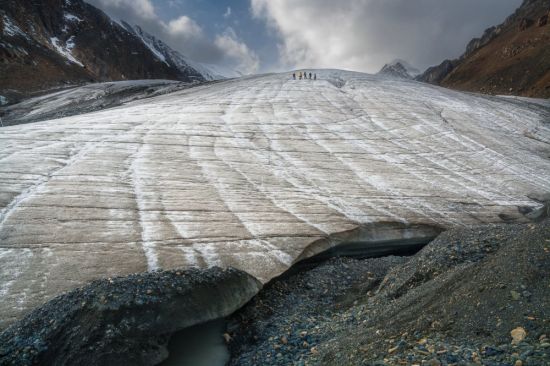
[512,58]
[174,58]
[58,43]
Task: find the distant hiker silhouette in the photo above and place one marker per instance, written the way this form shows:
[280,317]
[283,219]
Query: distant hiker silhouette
[300,75]
[310,76]
[314,76]
[294,76]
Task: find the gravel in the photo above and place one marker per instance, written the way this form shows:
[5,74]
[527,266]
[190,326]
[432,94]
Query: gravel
[473,296]
[124,321]
[455,302]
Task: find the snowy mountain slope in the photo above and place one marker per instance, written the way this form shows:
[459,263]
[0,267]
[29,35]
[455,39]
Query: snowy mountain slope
[399,69]
[174,58]
[46,45]
[257,173]
[217,72]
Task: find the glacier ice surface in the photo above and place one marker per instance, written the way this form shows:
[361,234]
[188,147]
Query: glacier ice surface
[250,173]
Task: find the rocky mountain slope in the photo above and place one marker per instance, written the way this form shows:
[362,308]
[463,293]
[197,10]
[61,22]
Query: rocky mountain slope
[511,58]
[243,173]
[54,43]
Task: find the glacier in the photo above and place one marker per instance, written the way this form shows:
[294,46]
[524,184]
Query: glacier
[256,173]
[86,98]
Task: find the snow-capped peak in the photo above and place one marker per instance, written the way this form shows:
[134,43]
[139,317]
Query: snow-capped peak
[413,71]
[399,68]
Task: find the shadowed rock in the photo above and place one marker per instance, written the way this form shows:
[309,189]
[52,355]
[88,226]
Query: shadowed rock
[124,321]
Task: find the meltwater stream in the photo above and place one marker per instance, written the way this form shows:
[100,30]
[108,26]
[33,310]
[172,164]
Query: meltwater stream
[204,344]
[201,345]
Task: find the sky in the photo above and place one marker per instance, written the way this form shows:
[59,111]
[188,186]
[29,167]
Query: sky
[255,36]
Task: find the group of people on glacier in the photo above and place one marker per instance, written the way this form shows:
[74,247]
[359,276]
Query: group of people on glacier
[304,76]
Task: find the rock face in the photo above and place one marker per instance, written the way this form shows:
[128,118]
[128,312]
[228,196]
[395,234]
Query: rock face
[436,74]
[49,44]
[124,321]
[512,58]
[255,173]
[543,20]
[525,23]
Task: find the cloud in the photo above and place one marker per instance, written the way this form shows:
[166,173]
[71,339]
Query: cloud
[143,9]
[183,34]
[365,34]
[244,59]
[184,27]
[227,13]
